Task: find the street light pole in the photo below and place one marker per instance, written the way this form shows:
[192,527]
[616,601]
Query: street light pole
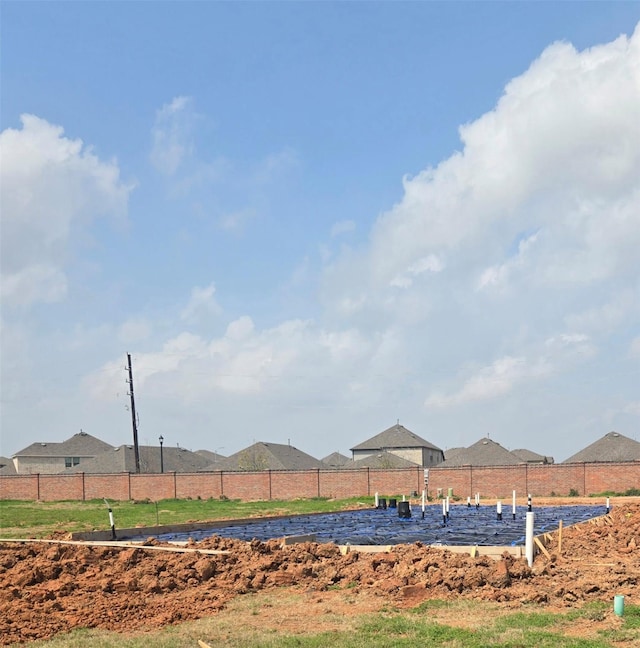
[161,439]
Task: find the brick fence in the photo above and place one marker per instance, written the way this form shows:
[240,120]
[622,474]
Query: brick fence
[491,482]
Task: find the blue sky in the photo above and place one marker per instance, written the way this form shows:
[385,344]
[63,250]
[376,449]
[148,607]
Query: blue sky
[308,220]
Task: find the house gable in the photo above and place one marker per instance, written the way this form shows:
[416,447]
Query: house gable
[401,442]
[613,446]
[52,458]
[269,456]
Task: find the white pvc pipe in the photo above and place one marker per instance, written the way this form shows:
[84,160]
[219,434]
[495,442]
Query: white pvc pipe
[468,501]
[499,509]
[447,503]
[377,500]
[513,505]
[528,544]
[423,500]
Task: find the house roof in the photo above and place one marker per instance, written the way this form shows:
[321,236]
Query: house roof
[269,456]
[528,456]
[122,459]
[381,460]
[397,436]
[453,452]
[613,446]
[335,460]
[79,445]
[484,452]
[211,457]
[6,466]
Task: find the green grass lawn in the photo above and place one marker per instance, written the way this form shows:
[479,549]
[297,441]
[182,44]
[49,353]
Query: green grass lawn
[30,519]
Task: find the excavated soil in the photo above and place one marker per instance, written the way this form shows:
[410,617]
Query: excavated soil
[46,589]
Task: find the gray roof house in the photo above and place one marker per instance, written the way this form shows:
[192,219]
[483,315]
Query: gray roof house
[451,453]
[268,456]
[484,452]
[613,446]
[335,460]
[213,458]
[400,441]
[530,457]
[7,467]
[123,459]
[381,459]
[51,458]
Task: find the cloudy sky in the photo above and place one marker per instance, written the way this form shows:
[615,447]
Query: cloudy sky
[306,221]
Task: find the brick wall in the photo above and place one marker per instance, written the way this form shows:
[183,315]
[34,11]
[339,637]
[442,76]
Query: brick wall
[490,482]
[537,480]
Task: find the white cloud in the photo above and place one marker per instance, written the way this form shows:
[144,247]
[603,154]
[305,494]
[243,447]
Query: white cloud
[430,263]
[559,156]
[172,135]
[52,188]
[556,354]
[36,283]
[201,303]
[490,382]
[134,330]
[498,276]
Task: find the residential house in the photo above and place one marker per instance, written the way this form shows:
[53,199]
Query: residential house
[152,459]
[7,467]
[530,457]
[52,458]
[484,452]
[213,458]
[268,456]
[382,459]
[613,446]
[403,443]
[335,460]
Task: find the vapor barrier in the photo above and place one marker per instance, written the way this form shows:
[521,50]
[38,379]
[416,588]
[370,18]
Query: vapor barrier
[464,526]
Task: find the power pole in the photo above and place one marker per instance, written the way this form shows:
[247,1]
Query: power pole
[136,450]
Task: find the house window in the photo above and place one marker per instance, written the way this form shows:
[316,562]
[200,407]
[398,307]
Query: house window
[71,461]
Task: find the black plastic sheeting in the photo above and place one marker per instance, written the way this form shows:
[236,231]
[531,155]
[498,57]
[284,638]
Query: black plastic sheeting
[464,526]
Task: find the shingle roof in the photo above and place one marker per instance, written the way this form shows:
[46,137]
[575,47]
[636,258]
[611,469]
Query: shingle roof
[335,460]
[484,452]
[528,456]
[6,466]
[122,459]
[453,452]
[269,456]
[397,436]
[79,445]
[381,460]
[211,457]
[613,446]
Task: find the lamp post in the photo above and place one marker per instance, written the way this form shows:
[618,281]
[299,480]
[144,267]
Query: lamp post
[161,439]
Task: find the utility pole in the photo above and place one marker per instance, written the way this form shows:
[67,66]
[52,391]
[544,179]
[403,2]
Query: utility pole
[136,450]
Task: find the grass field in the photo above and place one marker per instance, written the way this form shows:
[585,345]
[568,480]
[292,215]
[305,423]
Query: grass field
[20,519]
[262,621]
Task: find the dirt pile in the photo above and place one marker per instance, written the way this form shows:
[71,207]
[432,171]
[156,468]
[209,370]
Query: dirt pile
[46,589]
